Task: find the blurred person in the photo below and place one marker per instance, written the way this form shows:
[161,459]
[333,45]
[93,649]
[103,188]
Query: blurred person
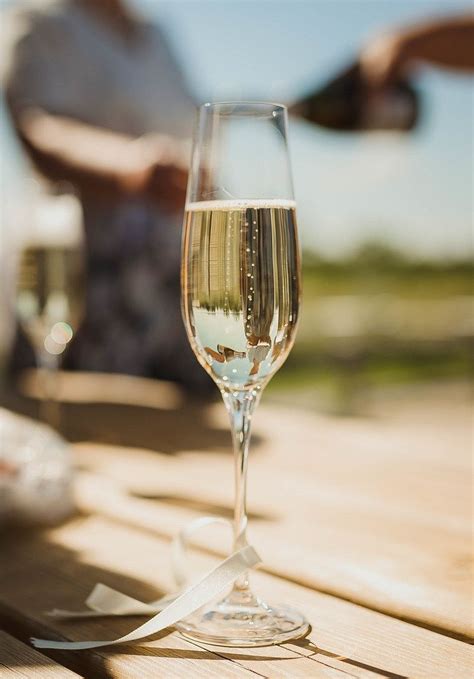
[101,106]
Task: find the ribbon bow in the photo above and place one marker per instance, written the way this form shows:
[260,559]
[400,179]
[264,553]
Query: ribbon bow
[171,608]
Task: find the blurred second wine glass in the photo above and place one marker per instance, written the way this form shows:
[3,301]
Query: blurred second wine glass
[50,288]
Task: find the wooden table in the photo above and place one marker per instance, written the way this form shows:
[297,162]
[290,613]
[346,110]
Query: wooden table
[362,524]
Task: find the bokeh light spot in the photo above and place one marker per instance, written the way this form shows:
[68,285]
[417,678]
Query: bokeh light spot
[61,332]
[53,347]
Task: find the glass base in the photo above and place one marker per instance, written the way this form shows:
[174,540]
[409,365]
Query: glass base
[243,620]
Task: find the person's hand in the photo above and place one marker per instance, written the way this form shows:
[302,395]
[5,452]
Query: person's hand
[163,184]
[445,42]
[166,184]
[158,171]
[384,59]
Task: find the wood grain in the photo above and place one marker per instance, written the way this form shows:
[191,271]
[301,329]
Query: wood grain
[19,660]
[372,511]
[60,566]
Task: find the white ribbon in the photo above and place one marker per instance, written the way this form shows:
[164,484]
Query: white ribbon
[169,609]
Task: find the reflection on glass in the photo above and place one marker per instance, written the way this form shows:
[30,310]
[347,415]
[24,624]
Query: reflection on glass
[243,287]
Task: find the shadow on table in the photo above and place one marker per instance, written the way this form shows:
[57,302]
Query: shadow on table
[197,653]
[315,650]
[164,431]
[126,411]
[263,655]
[37,573]
[200,506]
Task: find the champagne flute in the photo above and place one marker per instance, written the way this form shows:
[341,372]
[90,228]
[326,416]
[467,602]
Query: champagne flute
[240,300]
[49,292]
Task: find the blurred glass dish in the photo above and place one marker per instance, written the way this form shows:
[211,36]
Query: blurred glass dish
[35,472]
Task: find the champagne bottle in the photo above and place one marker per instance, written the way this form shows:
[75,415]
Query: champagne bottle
[347,103]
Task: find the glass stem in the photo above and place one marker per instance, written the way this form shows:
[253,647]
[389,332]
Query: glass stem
[48,365]
[240,406]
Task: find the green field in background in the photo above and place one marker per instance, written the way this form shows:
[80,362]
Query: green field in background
[345,366]
[378,268]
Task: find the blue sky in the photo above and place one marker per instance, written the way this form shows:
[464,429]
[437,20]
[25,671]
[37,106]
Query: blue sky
[421,195]
[413,190]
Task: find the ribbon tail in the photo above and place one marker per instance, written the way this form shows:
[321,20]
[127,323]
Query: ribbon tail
[103,601]
[111,602]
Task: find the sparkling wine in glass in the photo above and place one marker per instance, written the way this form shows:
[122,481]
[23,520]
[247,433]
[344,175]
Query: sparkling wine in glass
[49,292]
[240,298]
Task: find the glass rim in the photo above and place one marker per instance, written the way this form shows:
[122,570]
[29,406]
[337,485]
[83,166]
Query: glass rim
[246,104]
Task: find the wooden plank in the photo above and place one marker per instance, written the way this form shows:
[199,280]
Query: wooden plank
[375,512]
[379,510]
[60,566]
[19,660]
